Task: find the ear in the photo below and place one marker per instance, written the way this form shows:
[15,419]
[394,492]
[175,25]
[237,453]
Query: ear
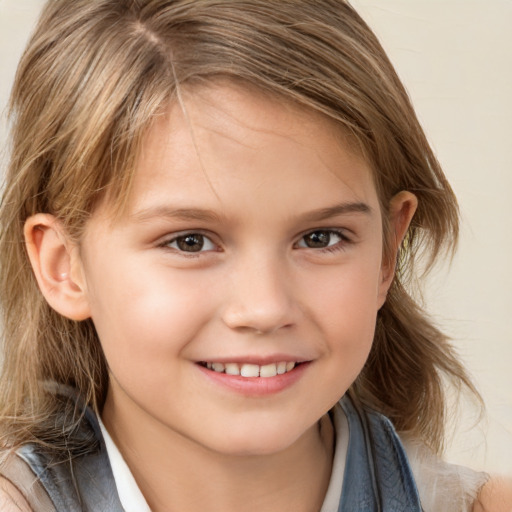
[57,267]
[401,211]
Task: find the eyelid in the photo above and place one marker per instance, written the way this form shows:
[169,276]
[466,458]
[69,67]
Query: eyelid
[343,232]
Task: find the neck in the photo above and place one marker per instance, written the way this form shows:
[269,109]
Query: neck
[175,473]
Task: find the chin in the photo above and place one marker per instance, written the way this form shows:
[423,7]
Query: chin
[253,442]
[253,449]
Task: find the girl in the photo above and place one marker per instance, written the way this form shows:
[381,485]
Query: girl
[212,212]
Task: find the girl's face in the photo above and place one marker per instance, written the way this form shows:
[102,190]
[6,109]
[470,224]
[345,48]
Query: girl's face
[252,244]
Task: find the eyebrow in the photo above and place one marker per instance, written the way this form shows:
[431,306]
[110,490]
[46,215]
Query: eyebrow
[336,210]
[175,213]
[201,214]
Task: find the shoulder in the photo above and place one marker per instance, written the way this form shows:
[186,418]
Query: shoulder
[20,488]
[11,499]
[495,496]
[443,487]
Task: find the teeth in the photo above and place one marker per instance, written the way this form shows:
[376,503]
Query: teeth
[269,370]
[252,370]
[232,369]
[290,366]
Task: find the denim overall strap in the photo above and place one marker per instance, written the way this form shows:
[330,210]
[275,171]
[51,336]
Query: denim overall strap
[83,484]
[378,477]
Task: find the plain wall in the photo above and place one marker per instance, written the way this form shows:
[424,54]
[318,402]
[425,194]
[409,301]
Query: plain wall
[455,58]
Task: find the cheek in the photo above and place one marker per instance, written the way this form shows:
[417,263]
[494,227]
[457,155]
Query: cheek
[349,294]
[142,313]
[345,309]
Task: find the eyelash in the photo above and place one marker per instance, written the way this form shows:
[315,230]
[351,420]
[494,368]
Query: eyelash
[339,245]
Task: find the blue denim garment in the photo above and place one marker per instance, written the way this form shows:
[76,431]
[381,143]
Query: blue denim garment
[377,474]
[378,477]
[83,484]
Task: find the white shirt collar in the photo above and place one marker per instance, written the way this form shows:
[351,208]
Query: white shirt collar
[129,493]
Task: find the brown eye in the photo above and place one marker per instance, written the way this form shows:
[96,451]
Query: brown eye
[191,242]
[317,239]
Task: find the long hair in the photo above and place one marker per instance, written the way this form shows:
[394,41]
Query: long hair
[93,78]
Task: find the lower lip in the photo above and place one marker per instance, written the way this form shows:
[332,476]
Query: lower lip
[256,386]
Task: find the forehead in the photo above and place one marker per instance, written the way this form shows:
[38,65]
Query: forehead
[226,145]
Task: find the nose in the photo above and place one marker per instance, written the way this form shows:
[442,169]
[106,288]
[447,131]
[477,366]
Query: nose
[260,298]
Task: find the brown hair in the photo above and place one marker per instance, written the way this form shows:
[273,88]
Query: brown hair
[94,76]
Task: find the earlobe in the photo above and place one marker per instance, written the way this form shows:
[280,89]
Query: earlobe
[56,265]
[401,211]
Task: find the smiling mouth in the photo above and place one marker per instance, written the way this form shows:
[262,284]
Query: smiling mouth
[251,370]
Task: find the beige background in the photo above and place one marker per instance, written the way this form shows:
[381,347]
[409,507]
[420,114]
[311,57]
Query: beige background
[455,57]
